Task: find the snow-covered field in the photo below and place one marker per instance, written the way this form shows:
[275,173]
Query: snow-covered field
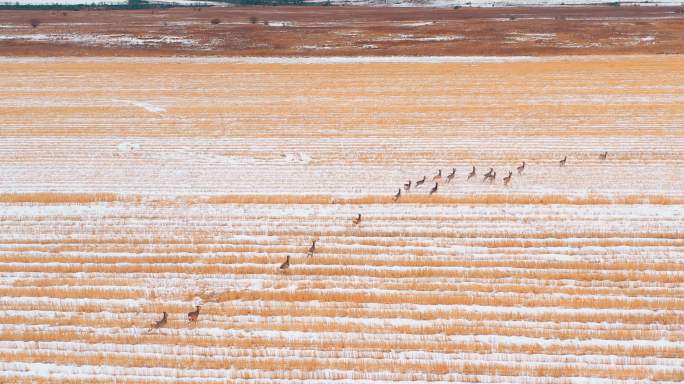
[101,40]
[129,187]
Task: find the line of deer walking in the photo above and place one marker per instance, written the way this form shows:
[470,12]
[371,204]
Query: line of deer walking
[489,177]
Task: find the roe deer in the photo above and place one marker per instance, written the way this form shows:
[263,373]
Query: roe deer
[192,316]
[356,220]
[407,186]
[312,249]
[284,266]
[507,179]
[398,195]
[488,175]
[451,175]
[160,323]
[438,176]
[521,168]
[471,174]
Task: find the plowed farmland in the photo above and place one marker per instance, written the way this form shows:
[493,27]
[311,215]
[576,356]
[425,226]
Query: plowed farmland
[135,186]
[345,31]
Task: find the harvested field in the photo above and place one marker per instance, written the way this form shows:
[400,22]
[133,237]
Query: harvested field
[345,31]
[133,186]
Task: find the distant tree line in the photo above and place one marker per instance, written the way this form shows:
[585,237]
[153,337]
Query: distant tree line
[142,4]
[131,4]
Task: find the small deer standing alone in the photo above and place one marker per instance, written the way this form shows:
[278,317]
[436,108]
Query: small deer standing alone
[192,316]
[356,220]
[160,323]
[284,266]
[603,156]
[312,248]
[562,162]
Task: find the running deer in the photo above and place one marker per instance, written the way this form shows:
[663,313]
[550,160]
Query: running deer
[398,195]
[603,156]
[356,220]
[507,179]
[407,186]
[312,249]
[451,175]
[488,175]
[434,189]
[160,323]
[471,174]
[420,182]
[521,168]
[438,176]
[192,316]
[562,162]
[284,266]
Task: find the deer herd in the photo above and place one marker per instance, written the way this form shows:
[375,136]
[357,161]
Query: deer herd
[489,177]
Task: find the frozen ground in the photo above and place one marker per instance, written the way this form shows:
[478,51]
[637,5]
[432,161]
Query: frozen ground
[344,32]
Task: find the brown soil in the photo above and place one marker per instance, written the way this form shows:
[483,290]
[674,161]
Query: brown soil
[347,31]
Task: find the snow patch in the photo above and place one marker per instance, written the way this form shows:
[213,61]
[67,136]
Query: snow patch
[523,37]
[315,47]
[418,24]
[403,37]
[280,24]
[298,157]
[104,40]
[145,105]
[126,146]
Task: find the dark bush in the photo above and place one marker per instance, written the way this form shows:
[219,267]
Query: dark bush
[215,21]
[34,22]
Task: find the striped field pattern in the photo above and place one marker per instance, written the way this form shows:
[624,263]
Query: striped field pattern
[129,187]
